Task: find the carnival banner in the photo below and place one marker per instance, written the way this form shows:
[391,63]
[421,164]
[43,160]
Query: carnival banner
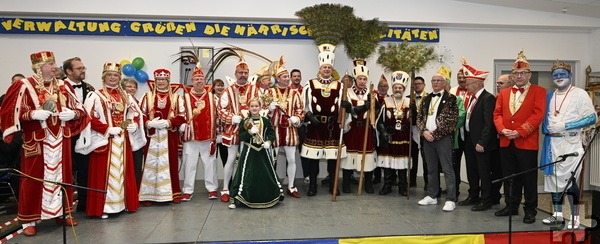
[98,27]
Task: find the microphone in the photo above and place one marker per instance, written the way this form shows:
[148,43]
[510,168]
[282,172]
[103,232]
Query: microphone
[565,156]
[573,154]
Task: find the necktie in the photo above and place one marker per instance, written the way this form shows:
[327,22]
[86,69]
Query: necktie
[514,89]
[460,89]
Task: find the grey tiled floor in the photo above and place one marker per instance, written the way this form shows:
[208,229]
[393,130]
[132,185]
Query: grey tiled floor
[203,220]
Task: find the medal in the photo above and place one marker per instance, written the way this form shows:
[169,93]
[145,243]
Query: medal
[199,106]
[398,125]
[119,106]
[243,100]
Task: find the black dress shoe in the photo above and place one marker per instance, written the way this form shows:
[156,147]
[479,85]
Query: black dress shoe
[469,201]
[506,211]
[311,192]
[481,207]
[529,219]
[386,189]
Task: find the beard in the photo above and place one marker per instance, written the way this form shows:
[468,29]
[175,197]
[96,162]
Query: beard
[398,95]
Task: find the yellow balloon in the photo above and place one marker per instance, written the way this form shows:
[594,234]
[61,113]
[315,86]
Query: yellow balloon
[124,62]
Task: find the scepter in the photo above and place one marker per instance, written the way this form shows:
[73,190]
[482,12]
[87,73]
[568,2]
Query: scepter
[368,123]
[346,82]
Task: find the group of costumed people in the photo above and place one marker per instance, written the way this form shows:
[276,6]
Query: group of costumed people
[348,123]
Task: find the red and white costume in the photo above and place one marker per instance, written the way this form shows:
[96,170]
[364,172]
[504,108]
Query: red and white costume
[46,150]
[199,137]
[160,177]
[111,160]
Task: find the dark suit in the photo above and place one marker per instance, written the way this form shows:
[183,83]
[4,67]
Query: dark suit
[414,148]
[439,151]
[483,132]
[80,161]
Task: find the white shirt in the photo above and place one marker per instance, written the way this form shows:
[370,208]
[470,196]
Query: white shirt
[434,104]
[78,90]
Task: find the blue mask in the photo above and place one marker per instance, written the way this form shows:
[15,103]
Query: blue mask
[561,78]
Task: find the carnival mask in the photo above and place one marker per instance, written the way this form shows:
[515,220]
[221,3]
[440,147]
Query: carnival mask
[561,78]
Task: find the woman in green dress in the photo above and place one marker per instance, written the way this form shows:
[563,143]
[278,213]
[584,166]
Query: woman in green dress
[255,183]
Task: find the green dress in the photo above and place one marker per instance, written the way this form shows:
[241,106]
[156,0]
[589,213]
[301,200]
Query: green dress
[255,183]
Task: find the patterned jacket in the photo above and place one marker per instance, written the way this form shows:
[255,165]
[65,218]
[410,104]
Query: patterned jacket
[446,118]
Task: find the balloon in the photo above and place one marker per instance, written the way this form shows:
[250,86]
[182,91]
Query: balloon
[124,62]
[138,63]
[141,76]
[128,70]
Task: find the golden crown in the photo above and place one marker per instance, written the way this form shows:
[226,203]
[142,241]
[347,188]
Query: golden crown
[561,65]
[112,66]
[42,57]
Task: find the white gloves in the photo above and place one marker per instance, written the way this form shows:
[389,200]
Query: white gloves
[132,127]
[295,121]
[153,123]
[236,119]
[267,145]
[182,127]
[40,114]
[253,130]
[556,127]
[219,139]
[273,105]
[115,131]
[158,123]
[66,115]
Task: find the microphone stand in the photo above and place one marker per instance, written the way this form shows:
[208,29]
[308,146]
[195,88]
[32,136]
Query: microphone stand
[64,191]
[510,185]
[573,182]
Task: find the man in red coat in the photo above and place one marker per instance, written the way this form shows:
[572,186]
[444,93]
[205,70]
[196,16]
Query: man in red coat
[48,113]
[518,114]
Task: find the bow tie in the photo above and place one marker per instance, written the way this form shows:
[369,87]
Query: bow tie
[460,89]
[78,86]
[514,89]
[436,94]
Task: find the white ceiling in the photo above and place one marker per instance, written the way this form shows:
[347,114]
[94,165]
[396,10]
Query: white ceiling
[589,8]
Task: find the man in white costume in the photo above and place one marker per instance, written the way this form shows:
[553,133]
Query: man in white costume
[569,110]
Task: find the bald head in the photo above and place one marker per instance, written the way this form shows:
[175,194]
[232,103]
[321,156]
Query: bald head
[504,81]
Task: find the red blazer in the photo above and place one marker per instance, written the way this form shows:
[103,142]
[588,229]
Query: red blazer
[526,121]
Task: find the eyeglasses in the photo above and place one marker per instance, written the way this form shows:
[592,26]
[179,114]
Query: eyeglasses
[522,73]
[437,81]
[419,84]
[500,83]
[242,72]
[82,68]
[471,83]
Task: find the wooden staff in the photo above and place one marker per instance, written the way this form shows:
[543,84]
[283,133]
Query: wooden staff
[346,81]
[412,98]
[368,122]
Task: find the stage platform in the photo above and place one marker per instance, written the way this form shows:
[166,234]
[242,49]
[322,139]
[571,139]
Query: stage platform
[314,219]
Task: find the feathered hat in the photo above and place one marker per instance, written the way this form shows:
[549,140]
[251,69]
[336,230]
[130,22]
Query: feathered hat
[327,23]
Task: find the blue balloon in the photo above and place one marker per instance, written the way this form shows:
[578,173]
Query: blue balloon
[141,76]
[128,70]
